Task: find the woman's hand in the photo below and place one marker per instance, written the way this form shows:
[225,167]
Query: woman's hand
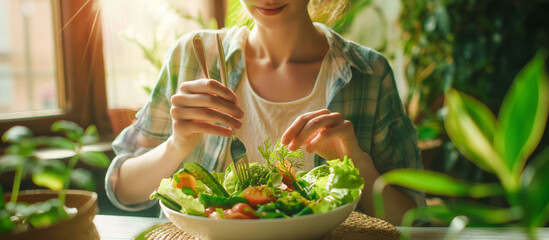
[323,132]
[197,106]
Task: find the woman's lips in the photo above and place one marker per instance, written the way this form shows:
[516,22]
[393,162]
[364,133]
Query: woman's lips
[270,11]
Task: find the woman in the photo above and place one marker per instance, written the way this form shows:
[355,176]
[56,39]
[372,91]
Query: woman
[289,78]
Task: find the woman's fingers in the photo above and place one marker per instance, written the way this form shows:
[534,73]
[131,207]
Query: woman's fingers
[191,127]
[308,126]
[325,133]
[295,128]
[205,115]
[201,105]
[206,93]
[209,86]
[323,137]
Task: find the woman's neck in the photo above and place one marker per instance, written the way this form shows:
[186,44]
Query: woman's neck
[295,43]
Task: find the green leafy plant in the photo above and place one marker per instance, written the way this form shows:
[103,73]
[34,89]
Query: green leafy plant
[501,146]
[476,47]
[54,174]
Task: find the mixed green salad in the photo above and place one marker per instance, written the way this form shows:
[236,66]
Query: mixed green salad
[273,190]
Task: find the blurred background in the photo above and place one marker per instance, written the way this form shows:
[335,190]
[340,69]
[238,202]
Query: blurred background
[94,62]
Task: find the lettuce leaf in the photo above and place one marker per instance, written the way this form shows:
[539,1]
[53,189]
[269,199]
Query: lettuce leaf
[201,188]
[189,204]
[229,183]
[340,186]
[325,204]
[318,172]
[344,181]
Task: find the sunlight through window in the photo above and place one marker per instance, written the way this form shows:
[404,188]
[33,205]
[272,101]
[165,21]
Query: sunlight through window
[136,35]
[28,74]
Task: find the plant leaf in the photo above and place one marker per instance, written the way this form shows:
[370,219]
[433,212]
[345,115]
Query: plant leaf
[6,225]
[95,159]
[234,12]
[482,116]
[440,212]
[90,135]
[535,197]
[484,215]
[72,130]
[25,147]
[49,178]
[478,214]
[42,141]
[46,213]
[16,133]
[61,142]
[523,114]
[469,125]
[54,164]
[10,162]
[430,182]
[83,179]
[2,201]
[440,184]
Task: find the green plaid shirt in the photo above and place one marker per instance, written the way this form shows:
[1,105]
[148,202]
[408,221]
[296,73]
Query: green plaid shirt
[360,86]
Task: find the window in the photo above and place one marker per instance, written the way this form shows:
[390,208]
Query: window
[51,64]
[27,65]
[137,34]
[52,60]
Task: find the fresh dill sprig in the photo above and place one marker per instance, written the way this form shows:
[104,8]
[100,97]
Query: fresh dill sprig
[283,161]
[281,158]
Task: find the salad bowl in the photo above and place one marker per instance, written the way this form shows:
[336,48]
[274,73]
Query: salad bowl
[274,203]
[302,227]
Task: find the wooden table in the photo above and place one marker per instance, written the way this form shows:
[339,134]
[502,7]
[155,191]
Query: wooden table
[112,227]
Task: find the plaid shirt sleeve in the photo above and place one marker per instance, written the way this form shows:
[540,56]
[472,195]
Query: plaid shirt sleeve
[394,142]
[363,90]
[154,120]
[371,102]
[394,136]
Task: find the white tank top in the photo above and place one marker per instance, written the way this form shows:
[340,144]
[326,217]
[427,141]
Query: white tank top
[267,119]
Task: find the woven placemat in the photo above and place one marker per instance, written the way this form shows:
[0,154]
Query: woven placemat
[358,226]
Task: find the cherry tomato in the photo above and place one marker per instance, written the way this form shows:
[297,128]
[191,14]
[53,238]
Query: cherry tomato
[214,215]
[209,210]
[259,195]
[185,180]
[230,214]
[244,209]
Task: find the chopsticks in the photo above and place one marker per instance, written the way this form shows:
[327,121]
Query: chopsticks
[221,60]
[198,47]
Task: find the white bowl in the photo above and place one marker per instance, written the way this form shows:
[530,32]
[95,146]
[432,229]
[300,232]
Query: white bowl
[302,227]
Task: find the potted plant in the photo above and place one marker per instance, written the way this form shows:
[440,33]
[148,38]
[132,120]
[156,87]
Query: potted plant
[502,146]
[55,212]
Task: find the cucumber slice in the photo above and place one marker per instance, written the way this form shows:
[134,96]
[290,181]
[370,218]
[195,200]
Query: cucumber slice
[200,173]
[166,201]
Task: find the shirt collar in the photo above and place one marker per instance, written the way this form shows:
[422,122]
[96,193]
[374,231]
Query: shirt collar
[235,43]
[345,53]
